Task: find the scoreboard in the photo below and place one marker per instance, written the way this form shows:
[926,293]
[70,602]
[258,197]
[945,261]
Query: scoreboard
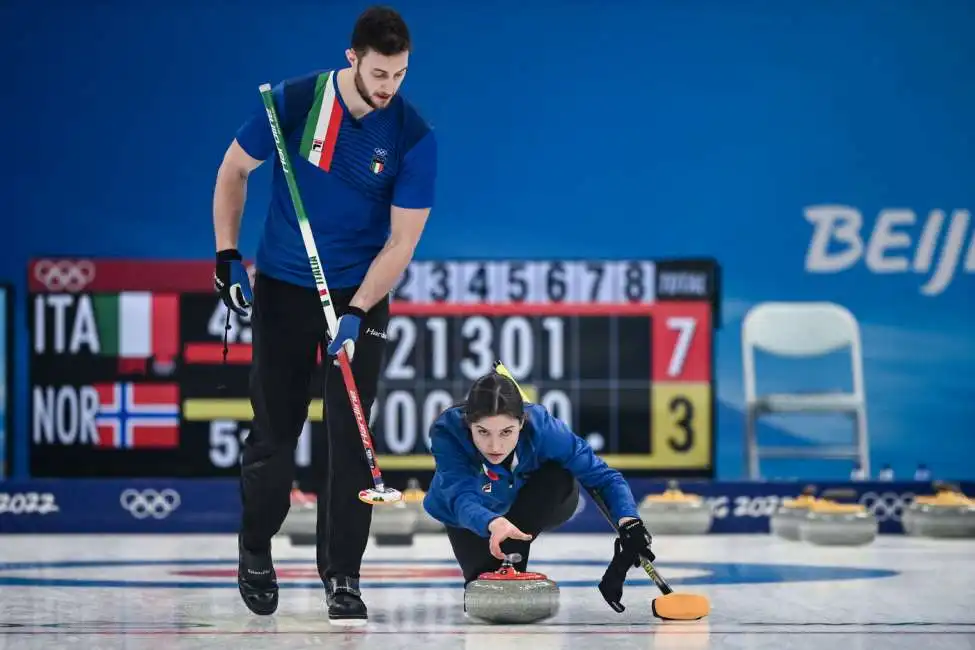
[128,376]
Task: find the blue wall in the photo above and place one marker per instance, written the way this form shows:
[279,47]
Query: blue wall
[619,128]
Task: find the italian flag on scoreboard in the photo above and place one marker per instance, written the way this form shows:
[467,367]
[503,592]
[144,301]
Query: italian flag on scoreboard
[136,326]
[137,416]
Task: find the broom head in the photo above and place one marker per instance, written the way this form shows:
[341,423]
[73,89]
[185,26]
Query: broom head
[681,607]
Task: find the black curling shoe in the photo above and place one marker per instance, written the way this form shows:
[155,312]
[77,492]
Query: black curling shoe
[344,601]
[257,581]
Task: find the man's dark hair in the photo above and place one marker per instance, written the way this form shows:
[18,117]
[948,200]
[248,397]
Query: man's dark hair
[493,394]
[381,29]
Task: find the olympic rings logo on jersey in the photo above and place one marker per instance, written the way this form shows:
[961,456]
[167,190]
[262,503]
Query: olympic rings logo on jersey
[886,506]
[64,275]
[150,503]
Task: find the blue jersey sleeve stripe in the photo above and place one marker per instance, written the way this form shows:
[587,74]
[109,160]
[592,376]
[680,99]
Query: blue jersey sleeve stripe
[299,95]
[292,99]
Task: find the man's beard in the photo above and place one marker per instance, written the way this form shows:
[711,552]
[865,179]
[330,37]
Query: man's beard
[360,87]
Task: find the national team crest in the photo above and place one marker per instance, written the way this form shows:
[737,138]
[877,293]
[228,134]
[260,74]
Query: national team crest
[378,161]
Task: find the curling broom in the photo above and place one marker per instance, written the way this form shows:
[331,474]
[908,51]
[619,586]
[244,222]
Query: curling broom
[379,493]
[671,606]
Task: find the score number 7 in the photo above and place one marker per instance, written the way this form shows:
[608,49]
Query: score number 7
[685,327]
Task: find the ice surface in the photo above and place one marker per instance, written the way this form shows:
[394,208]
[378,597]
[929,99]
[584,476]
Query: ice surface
[101,592]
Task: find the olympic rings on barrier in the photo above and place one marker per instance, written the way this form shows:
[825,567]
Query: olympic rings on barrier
[886,506]
[64,275]
[150,503]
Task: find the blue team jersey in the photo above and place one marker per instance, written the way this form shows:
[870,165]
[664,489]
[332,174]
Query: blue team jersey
[468,492]
[349,173]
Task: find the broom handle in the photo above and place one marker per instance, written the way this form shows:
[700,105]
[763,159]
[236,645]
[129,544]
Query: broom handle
[644,562]
[331,321]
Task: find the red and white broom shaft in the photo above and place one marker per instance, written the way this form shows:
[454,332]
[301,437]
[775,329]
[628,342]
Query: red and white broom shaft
[360,420]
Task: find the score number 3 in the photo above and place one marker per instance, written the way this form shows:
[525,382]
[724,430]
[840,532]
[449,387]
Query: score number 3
[680,436]
[683,409]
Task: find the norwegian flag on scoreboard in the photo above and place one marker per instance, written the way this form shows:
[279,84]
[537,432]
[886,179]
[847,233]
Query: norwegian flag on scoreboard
[137,416]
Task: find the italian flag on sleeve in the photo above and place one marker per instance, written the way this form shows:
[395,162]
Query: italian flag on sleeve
[322,127]
[136,326]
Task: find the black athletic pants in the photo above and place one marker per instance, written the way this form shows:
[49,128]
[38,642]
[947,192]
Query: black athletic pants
[547,500]
[288,328]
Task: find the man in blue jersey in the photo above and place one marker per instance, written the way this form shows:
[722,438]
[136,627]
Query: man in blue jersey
[365,164]
[507,471]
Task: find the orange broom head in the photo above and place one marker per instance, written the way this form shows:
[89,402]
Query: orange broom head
[681,607]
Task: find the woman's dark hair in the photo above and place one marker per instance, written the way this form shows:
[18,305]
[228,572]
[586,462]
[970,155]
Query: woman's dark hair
[493,394]
[381,29]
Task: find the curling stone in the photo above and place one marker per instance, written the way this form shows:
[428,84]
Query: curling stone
[511,596]
[413,496]
[393,524]
[675,513]
[830,523]
[302,517]
[947,514]
[784,522]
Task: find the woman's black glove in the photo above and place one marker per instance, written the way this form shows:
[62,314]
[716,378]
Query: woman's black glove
[636,539]
[633,541]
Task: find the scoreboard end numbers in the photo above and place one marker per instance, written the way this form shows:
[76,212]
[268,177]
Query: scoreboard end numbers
[606,282]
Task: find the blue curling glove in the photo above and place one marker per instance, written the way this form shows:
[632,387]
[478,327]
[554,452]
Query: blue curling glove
[231,281]
[347,332]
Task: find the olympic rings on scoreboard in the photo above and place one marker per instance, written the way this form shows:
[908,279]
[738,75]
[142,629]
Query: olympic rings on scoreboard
[150,503]
[64,275]
[886,506]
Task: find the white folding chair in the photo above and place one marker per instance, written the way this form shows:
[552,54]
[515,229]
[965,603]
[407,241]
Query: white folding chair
[802,330]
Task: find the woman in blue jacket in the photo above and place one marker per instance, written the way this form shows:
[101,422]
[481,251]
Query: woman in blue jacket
[507,470]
